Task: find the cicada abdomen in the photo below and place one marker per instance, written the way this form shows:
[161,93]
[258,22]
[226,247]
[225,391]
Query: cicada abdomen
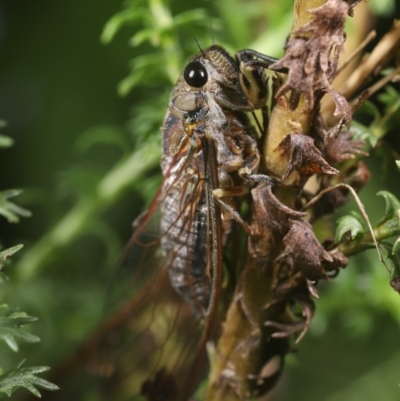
[170,277]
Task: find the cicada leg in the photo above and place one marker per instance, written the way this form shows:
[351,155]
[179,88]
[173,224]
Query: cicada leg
[249,58]
[252,76]
[229,192]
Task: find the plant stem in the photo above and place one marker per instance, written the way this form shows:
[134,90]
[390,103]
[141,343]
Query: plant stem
[245,342]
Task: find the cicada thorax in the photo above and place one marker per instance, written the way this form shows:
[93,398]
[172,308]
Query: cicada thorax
[207,104]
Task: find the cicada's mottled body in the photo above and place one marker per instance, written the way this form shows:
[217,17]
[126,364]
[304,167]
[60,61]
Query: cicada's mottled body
[207,106]
[209,152]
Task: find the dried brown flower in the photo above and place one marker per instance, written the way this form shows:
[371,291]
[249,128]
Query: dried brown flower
[303,252]
[312,55]
[342,147]
[304,157]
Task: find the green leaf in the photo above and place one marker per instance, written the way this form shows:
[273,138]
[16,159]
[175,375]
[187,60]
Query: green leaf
[10,210]
[11,322]
[144,69]
[389,225]
[10,251]
[363,133]
[4,255]
[388,96]
[396,247]
[25,378]
[371,109]
[394,258]
[198,15]
[353,223]
[11,193]
[398,164]
[146,35]
[121,19]
[6,141]
[392,207]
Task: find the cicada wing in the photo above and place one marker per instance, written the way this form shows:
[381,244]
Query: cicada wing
[153,341]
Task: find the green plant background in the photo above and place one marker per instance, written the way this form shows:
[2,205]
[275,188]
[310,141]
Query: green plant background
[87,160]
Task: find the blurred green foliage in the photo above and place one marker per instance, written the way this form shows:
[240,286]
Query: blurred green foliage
[88,162]
[20,377]
[11,319]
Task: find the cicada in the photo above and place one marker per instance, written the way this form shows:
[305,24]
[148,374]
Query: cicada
[172,268]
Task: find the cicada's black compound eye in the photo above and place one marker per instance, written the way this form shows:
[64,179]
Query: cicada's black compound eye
[195,74]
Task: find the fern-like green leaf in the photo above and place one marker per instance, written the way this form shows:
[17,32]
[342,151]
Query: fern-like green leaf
[4,255]
[389,96]
[11,322]
[118,21]
[10,252]
[390,118]
[25,378]
[198,15]
[10,210]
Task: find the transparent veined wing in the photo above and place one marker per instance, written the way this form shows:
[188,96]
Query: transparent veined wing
[164,293]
